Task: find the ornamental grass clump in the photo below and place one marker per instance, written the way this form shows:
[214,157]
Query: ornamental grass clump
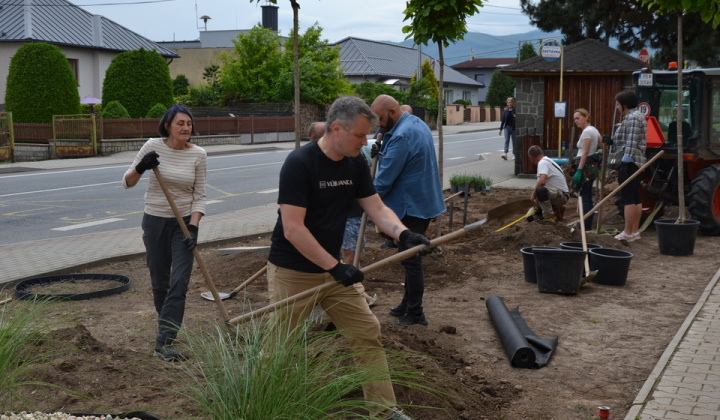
[255,372]
[23,328]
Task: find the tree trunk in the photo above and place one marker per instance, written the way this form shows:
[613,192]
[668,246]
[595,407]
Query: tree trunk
[441,97]
[680,170]
[296,72]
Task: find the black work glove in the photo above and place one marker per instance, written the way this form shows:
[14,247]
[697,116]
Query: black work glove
[346,274]
[149,161]
[375,150]
[607,140]
[191,241]
[409,239]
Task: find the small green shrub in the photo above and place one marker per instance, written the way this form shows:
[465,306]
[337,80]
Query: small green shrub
[115,110]
[157,111]
[462,102]
[180,85]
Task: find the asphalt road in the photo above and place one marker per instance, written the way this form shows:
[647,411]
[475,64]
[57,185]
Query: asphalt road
[61,203]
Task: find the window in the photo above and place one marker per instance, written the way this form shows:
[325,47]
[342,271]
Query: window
[467,95]
[448,96]
[74,67]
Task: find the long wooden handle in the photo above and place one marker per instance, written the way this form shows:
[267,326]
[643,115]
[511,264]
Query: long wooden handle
[621,186]
[372,267]
[363,219]
[196,253]
[584,238]
[248,281]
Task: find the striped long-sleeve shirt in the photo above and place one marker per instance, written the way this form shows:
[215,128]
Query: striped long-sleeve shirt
[184,172]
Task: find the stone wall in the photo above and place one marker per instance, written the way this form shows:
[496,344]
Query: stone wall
[530,100]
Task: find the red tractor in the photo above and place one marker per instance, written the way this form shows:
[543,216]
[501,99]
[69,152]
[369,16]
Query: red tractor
[657,97]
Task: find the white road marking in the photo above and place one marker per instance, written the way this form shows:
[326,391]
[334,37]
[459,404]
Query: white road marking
[269,191]
[456,158]
[88,224]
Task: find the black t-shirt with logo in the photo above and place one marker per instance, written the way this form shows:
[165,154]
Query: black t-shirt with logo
[326,189]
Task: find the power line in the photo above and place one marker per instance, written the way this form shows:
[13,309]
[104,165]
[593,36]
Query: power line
[85,5]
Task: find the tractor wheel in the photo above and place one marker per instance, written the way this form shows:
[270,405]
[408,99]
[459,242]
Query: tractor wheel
[705,199]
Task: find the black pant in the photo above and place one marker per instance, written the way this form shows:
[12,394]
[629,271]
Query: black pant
[414,274]
[170,264]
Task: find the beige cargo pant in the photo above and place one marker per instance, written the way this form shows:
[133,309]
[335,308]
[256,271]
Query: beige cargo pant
[350,313]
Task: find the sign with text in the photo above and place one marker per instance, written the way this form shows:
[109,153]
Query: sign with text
[645,79]
[550,50]
[644,108]
[644,56]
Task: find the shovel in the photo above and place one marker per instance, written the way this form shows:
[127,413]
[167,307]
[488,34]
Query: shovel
[496,215]
[589,275]
[234,292]
[208,280]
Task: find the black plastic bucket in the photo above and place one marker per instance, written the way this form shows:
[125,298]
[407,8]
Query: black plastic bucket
[612,265]
[559,270]
[676,238]
[529,262]
[577,246]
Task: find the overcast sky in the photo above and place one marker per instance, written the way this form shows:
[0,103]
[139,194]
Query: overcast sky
[381,20]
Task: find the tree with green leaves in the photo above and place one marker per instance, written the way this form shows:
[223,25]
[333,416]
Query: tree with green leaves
[708,10]
[527,51]
[428,73]
[40,84]
[633,26]
[501,87]
[138,79]
[212,74]
[368,91]
[441,22]
[321,79]
[180,85]
[249,71]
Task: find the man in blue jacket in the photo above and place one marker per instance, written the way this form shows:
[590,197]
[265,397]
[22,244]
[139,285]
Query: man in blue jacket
[408,181]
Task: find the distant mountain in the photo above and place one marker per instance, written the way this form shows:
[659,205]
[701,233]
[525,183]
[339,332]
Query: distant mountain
[486,46]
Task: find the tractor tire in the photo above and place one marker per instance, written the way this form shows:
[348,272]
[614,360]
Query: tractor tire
[704,199]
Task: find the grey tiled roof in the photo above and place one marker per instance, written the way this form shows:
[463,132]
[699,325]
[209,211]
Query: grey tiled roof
[587,56]
[484,63]
[60,22]
[362,57]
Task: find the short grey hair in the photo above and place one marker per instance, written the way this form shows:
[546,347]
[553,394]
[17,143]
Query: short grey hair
[347,109]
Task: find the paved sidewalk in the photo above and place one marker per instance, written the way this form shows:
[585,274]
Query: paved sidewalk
[685,383]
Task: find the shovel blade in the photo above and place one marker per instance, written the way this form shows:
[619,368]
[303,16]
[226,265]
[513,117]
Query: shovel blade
[209,296]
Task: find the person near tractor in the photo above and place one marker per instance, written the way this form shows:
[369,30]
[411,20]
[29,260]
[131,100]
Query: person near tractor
[408,182]
[551,191]
[507,124]
[352,226]
[318,184]
[585,163]
[630,136]
[169,252]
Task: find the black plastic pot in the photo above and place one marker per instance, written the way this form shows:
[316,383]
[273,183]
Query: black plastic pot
[529,262]
[612,265]
[577,246]
[676,238]
[559,270]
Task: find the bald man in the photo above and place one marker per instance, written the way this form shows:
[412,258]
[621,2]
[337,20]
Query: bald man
[408,181]
[406,108]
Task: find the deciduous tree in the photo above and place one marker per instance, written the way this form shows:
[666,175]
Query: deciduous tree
[442,22]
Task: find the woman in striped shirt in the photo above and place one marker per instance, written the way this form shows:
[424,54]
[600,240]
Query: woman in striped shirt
[169,253]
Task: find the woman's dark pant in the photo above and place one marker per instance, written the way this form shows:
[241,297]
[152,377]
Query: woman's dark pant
[587,202]
[170,265]
[414,274]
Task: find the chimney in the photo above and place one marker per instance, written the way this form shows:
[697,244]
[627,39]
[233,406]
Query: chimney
[270,17]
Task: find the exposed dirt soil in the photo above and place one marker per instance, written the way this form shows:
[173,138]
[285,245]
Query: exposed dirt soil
[610,338]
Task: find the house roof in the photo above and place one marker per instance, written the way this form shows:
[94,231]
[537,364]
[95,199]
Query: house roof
[586,56]
[362,57]
[60,22]
[484,63]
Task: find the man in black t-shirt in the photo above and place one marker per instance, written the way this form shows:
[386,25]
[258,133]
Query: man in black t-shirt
[318,184]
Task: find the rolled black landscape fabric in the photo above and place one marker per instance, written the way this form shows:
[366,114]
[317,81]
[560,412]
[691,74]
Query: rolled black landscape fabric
[523,347]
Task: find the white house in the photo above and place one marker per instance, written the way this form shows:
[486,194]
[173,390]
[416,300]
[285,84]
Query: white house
[89,42]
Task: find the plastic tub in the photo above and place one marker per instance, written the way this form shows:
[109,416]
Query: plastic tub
[559,270]
[529,262]
[577,246]
[612,265]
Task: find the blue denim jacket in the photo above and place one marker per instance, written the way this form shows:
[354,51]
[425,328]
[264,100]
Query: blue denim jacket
[407,178]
